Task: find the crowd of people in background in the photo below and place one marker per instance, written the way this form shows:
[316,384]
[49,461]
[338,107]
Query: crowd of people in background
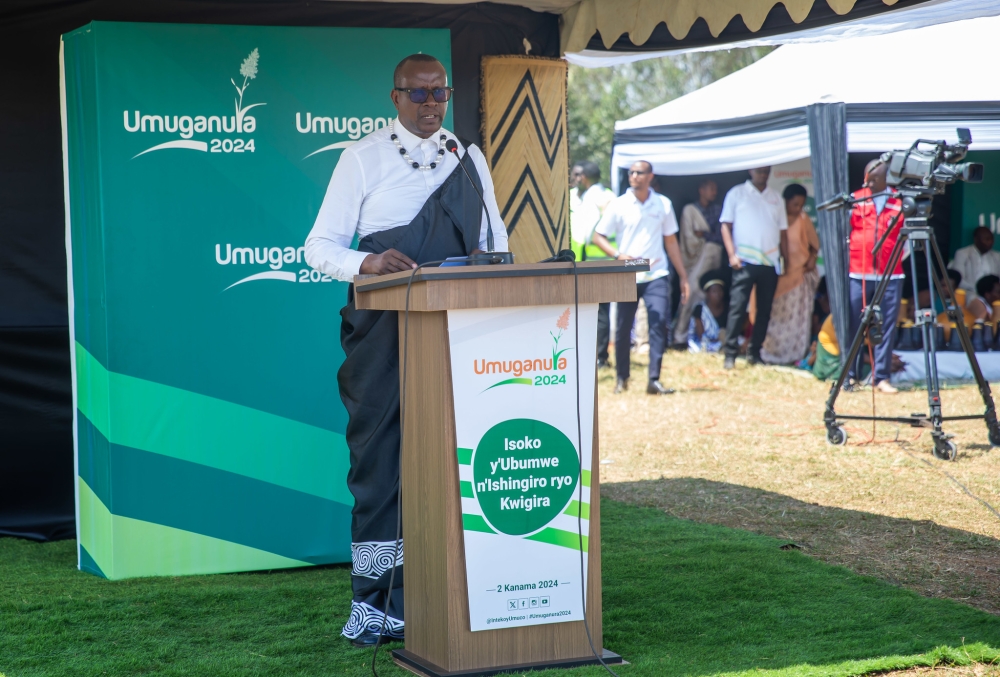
[748,280]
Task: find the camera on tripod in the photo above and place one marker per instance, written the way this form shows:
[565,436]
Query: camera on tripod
[932,165]
[917,174]
[921,171]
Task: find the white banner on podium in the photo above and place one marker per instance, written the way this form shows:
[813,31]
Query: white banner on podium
[514,381]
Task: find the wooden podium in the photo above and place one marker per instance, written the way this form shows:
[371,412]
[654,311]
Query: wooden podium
[439,640]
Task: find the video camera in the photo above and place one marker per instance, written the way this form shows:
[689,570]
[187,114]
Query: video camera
[932,165]
[922,170]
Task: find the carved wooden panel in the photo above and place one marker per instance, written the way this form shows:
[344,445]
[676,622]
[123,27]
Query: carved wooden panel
[525,143]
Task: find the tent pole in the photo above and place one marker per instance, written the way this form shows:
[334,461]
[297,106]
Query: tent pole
[828,157]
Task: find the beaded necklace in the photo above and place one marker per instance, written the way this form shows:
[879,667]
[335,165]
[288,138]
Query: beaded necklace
[406,156]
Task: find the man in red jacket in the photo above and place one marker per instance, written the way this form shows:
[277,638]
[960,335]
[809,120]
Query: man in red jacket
[869,221]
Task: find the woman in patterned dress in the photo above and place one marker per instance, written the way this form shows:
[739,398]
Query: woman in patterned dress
[791,314]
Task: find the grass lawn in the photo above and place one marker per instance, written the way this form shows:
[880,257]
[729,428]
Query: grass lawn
[746,449]
[681,598]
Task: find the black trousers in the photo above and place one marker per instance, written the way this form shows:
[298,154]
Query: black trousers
[861,295]
[656,296]
[744,279]
[603,331]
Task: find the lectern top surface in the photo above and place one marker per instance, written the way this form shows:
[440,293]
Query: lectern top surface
[365,283]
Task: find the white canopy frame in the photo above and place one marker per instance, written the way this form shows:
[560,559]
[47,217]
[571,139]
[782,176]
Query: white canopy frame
[756,116]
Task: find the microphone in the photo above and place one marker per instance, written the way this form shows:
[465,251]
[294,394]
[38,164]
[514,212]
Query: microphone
[564,255]
[502,257]
[835,202]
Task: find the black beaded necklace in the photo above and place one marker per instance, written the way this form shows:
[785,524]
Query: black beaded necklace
[406,156]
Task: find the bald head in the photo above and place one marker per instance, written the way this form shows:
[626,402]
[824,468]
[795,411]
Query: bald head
[419,71]
[875,175]
[424,60]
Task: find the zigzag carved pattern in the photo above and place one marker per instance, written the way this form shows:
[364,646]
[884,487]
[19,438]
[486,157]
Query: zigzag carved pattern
[524,103]
[527,196]
[549,140]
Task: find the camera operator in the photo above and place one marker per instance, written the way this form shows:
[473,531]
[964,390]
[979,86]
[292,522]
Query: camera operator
[869,220]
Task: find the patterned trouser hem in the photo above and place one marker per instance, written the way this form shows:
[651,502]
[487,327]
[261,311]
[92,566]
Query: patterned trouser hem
[371,559]
[365,618]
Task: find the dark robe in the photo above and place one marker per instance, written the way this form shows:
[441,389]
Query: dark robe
[447,225]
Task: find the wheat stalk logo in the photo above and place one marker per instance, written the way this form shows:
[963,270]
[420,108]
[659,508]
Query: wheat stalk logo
[562,324]
[248,69]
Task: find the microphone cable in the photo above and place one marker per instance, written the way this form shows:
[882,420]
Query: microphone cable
[579,446]
[864,306]
[399,484]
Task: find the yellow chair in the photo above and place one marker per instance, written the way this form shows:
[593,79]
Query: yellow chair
[904,314]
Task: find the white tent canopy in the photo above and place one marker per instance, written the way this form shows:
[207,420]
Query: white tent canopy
[927,13]
[897,87]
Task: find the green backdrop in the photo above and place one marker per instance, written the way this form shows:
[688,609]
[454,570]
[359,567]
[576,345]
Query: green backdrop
[970,200]
[209,428]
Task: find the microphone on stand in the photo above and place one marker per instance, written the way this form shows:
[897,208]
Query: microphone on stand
[491,256]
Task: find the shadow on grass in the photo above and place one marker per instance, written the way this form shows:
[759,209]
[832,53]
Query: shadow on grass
[683,598]
[934,560]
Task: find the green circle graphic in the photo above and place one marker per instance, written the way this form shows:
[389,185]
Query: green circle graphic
[524,474]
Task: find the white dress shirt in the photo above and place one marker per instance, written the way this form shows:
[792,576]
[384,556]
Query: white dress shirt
[973,266]
[373,189]
[758,217]
[639,228]
[586,211]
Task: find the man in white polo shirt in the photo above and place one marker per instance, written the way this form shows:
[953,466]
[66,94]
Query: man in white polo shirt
[754,232]
[644,225]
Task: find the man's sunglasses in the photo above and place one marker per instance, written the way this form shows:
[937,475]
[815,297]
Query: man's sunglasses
[420,95]
[636,172]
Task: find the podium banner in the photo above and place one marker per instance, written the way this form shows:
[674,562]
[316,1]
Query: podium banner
[514,382]
[208,422]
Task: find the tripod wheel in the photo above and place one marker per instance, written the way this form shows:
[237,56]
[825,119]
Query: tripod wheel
[836,436]
[945,449]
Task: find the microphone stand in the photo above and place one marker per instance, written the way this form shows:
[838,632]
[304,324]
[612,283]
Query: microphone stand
[490,257]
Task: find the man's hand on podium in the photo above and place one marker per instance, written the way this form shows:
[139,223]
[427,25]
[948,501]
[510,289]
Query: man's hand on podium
[389,261]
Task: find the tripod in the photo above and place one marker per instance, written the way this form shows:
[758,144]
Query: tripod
[916,235]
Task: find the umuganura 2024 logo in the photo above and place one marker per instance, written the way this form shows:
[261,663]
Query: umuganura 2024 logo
[275,258]
[531,371]
[187,126]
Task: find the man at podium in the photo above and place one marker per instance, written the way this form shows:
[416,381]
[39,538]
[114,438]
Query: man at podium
[408,202]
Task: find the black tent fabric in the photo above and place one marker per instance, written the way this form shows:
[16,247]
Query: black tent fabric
[36,452]
[828,148]
[36,463]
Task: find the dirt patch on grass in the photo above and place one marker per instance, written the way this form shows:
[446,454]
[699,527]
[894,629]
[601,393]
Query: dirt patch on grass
[974,670]
[747,449]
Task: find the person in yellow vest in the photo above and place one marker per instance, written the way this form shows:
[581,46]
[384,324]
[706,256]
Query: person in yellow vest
[587,200]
